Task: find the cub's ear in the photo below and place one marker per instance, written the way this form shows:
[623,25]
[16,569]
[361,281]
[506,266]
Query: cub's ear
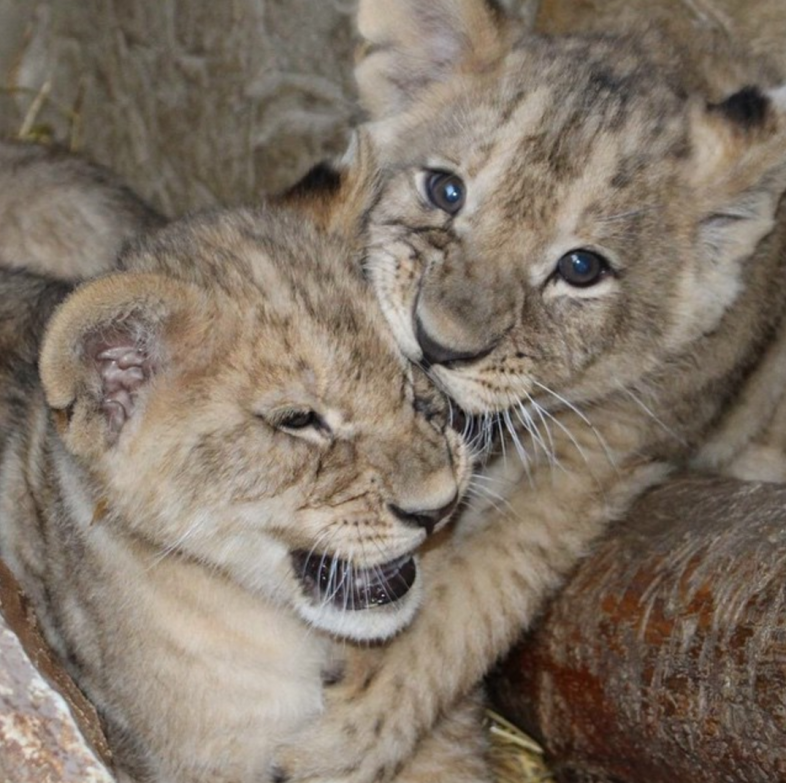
[737,176]
[103,347]
[337,195]
[360,180]
[739,171]
[411,44]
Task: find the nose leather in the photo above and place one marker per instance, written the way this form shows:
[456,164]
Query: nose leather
[436,353]
[427,519]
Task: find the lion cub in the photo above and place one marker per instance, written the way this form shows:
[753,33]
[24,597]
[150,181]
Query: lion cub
[583,238]
[225,467]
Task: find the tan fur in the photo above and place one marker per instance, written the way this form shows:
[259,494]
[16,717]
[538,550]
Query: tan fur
[627,145]
[337,198]
[62,215]
[154,487]
[731,31]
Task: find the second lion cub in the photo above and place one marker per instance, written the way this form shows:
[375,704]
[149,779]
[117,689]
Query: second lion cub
[224,467]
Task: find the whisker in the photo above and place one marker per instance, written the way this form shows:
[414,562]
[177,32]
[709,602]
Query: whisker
[549,448]
[600,439]
[546,417]
[518,445]
[174,546]
[499,503]
[529,423]
[668,430]
[502,482]
[502,438]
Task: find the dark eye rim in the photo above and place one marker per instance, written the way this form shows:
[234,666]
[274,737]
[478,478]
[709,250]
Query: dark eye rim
[602,270]
[298,419]
[434,179]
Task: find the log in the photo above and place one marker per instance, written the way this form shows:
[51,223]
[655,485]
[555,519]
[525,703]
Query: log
[664,658]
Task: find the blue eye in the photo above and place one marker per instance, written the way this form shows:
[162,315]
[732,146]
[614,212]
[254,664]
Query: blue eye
[445,191]
[582,268]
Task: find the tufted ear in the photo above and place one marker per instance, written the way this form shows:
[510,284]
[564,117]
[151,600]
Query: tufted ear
[102,349]
[411,44]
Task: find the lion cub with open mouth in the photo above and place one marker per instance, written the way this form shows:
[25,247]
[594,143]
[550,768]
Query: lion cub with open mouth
[224,466]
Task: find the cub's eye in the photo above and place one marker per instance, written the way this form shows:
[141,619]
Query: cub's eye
[582,268]
[445,191]
[298,420]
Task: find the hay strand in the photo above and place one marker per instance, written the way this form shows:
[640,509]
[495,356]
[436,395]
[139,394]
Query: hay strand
[514,756]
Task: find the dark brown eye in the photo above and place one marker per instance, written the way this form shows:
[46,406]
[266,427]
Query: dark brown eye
[582,268]
[298,420]
[445,191]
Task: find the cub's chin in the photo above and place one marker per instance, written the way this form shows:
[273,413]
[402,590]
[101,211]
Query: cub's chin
[363,604]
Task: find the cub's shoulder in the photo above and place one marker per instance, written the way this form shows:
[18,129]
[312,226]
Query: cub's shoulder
[27,301]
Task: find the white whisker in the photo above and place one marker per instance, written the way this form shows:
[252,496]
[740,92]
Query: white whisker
[529,423]
[498,502]
[570,406]
[514,436]
[633,396]
[176,545]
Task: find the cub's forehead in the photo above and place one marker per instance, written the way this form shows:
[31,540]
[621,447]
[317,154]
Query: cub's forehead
[548,93]
[265,257]
[290,299]
[312,348]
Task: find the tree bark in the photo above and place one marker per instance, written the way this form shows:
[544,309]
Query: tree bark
[664,659]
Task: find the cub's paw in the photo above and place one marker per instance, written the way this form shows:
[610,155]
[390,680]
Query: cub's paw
[335,749]
[352,741]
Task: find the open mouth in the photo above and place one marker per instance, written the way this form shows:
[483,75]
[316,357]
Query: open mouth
[330,580]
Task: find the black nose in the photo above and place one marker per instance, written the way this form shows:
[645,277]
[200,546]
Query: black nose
[427,519]
[435,353]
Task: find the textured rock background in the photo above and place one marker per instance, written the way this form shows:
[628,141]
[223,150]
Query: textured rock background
[39,741]
[194,102]
[44,718]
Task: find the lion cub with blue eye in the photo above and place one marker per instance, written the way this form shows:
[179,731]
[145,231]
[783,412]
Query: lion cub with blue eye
[583,239]
[224,468]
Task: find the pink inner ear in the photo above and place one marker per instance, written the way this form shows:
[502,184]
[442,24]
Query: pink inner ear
[123,370]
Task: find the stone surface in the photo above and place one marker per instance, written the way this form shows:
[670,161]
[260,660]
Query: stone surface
[40,739]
